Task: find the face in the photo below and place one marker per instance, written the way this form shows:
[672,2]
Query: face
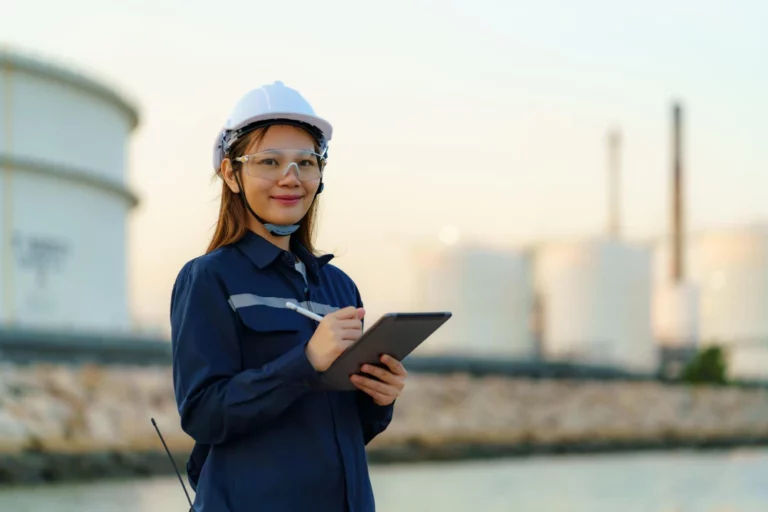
[282,199]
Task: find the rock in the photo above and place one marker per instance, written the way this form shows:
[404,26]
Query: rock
[90,377]
[101,430]
[45,419]
[62,382]
[13,433]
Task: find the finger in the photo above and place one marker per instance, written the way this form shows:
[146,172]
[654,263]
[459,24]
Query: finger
[381,374]
[394,365]
[360,313]
[352,334]
[382,387]
[376,395]
[348,313]
[350,324]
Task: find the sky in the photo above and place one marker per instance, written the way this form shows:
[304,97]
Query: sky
[486,119]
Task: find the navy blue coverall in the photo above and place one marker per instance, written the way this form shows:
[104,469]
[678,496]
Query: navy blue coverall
[267,436]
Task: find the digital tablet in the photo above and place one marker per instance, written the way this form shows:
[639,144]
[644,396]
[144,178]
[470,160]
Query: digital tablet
[394,334]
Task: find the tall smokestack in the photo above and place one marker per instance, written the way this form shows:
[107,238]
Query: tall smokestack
[678,270]
[614,143]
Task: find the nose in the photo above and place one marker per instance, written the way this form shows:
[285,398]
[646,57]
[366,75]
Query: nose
[290,175]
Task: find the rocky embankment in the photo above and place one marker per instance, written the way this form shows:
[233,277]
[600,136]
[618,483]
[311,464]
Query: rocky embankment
[460,416]
[59,422]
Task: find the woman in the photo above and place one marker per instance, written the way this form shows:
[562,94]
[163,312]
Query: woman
[245,368]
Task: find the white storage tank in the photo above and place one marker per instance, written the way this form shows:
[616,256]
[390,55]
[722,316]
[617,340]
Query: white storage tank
[596,300]
[490,293]
[732,270]
[63,198]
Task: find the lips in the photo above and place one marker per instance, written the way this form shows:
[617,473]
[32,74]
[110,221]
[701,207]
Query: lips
[287,200]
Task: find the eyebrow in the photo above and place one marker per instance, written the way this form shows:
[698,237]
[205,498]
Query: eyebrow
[299,151]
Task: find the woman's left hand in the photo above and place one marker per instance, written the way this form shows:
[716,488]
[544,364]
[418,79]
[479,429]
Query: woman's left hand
[390,384]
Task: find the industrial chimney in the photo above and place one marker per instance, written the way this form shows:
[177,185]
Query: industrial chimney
[676,303]
[614,195]
[678,233]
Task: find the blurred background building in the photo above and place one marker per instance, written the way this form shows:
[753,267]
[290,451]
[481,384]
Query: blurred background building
[602,300]
[596,303]
[490,293]
[726,300]
[63,198]
[732,272]
[645,305]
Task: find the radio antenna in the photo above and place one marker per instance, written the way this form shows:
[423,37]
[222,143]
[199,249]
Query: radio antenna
[175,468]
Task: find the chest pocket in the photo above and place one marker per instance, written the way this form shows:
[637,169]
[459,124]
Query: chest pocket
[269,333]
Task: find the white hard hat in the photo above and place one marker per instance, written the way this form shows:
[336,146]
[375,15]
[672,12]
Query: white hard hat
[271,102]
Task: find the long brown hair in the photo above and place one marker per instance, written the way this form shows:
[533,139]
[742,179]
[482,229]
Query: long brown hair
[233,216]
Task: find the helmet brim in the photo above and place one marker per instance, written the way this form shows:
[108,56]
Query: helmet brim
[318,122]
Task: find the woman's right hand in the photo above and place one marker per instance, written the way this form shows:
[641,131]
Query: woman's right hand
[334,334]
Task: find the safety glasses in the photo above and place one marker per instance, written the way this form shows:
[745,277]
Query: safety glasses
[274,164]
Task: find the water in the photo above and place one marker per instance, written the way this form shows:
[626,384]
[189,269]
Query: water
[735,481]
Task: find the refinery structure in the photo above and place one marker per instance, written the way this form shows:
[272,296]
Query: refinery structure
[606,300]
[63,199]
[603,301]
[64,205]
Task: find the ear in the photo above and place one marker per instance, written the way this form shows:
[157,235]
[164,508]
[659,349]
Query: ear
[228,175]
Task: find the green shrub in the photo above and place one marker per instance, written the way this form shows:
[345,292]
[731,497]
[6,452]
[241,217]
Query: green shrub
[708,367]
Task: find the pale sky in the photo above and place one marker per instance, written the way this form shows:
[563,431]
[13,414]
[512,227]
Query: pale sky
[487,116]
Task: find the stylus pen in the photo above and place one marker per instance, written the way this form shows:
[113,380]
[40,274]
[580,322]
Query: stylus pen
[307,313]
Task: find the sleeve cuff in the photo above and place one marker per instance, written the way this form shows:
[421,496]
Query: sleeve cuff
[294,366]
[383,412]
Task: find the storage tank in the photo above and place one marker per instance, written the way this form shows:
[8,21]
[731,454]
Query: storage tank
[63,198]
[732,271]
[733,274]
[596,300]
[490,293]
